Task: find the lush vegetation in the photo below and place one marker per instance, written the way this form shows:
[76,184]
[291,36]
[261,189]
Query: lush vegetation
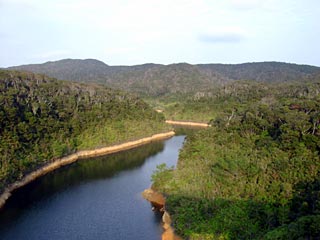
[156,80]
[221,102]
[42,119]
[255,174]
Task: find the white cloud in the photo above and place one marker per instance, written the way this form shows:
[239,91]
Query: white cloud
[223,35]
[221,38]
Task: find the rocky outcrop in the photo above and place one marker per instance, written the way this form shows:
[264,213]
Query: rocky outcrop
[75,157]
[191,124]
[157,201]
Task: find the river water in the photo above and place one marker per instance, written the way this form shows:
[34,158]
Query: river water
[97,198]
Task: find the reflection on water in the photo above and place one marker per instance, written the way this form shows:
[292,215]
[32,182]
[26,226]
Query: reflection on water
[83,170]
[186,130]
[97,198]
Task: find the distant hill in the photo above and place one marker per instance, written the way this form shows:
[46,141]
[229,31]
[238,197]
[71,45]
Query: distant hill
[70,69]
[263,71]
[158,80]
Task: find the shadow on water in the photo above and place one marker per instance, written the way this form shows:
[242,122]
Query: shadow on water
[84,170]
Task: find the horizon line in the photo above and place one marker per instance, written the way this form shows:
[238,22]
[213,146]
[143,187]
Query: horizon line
[153,63]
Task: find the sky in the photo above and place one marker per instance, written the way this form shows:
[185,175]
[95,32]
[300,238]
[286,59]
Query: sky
[123,32]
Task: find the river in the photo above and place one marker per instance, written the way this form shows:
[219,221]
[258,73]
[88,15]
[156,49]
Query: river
[96,198]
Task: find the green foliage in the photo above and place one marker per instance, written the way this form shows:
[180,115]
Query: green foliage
[42,119]
[306,227]
[162,175]
[218,105]
[255,173]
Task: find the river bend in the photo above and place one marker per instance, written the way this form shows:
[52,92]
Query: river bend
[97,198]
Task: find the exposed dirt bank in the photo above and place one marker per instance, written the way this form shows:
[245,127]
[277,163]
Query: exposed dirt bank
[75,157]
[192,124]
[168,233]
[156,199]
[158,203]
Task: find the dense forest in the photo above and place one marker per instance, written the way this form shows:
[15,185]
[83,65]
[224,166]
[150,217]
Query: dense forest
[220,102]
[156,80]
[255,174]
[42,119]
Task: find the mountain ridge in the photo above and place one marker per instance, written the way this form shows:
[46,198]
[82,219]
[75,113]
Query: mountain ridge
[157,79]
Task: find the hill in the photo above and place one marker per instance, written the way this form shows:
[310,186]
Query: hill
[88,70]
[42,118]
[263,71]
[160,80]
[206,105]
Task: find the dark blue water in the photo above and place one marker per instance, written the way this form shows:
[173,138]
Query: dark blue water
[92,199]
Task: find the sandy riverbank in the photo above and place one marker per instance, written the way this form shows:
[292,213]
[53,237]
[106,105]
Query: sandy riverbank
[191,124]
[75,157]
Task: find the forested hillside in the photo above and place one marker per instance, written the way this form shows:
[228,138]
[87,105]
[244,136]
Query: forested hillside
[220,102]
[42,119]
[157,80]
[262,71]
[255,174]
[88,70]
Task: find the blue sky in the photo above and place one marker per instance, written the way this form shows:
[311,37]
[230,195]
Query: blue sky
[123,32]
